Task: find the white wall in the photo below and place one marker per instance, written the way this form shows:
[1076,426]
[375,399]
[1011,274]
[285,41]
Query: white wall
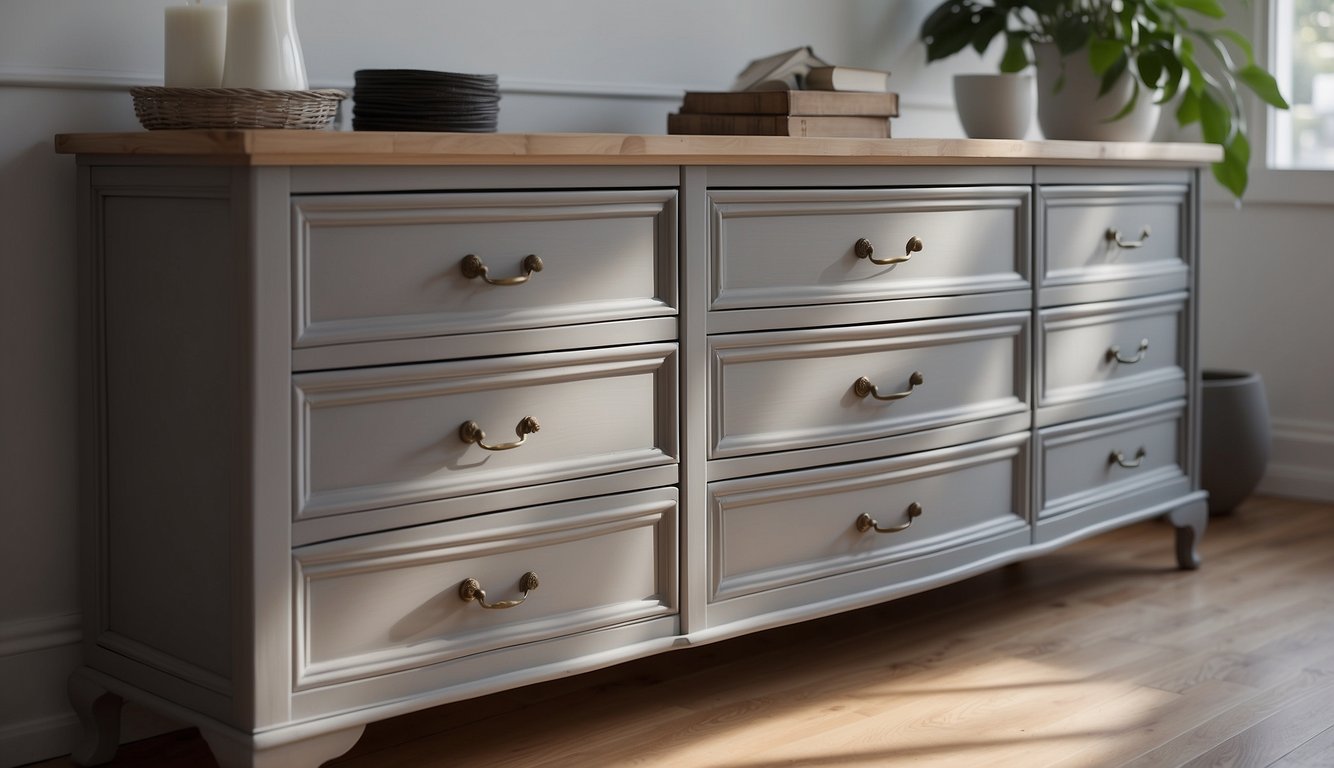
[1267,297]
[602,65]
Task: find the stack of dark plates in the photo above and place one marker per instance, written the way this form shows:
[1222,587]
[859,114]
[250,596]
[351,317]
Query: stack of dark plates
[421,100]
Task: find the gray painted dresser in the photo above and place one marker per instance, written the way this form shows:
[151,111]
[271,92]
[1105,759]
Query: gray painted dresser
[374,422]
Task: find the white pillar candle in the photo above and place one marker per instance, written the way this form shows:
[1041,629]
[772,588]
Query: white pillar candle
[194,45]
[263,50]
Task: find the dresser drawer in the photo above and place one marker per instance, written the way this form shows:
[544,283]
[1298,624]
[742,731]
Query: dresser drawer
[778,530]
[799,389]
[385,602]
[1108,459]
[372,267]
[1096,237]
[383,436]
[1107,356]
[778,248]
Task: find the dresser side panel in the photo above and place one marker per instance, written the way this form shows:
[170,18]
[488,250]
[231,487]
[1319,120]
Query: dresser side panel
[170,382]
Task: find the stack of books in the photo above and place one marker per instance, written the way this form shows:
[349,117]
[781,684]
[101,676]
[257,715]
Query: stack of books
[786,113]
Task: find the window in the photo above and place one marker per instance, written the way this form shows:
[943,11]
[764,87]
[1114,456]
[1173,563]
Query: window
[1303,58]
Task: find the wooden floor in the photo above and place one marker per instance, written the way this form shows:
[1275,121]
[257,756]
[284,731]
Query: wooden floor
[1100,655]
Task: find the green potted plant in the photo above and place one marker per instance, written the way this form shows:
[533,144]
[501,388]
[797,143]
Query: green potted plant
[1152,50]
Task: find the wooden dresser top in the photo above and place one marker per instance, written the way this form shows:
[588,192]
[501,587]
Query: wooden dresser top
[314,148]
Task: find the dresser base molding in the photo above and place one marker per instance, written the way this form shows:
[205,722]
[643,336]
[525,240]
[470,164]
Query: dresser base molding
[97,700]
[730,417]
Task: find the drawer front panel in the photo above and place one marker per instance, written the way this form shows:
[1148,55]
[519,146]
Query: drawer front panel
[381,603]
[373,267]
[784,391]
[385,436]
[1096,460]
[775,248]
[1083,224]
[1111,348]
[773,531]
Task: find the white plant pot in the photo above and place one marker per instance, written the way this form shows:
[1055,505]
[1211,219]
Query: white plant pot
[994,106]
[1075,111]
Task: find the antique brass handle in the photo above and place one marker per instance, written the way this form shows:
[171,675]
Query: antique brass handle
[471,589]
[471,432]
[1119,458]
[864,250]
[1114,235]
[1114,353]
[867,523]
[863,387]
[473,267]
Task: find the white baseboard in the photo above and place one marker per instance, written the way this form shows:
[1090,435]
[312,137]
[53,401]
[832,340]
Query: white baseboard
[37,739]
[37,656]
[1301,463]
[39,723]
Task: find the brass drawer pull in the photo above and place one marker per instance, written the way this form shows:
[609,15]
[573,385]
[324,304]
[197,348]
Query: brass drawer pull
[1114,353]
[864,250]
[471,589]
[1114,236]
[471,432]
[473,267]
[1118,458]
[867,523]
[863,387]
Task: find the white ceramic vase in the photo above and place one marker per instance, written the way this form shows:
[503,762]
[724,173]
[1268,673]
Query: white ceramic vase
[263,50]
[994,106]
[1075,111]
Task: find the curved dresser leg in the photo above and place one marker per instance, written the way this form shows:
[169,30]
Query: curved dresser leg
[1190,522]
[235,750]
[99,715]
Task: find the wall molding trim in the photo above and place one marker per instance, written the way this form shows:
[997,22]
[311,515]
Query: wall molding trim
[13,76]
[1301,463]
[25,635]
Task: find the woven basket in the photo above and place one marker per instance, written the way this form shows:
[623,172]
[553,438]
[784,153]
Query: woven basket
[172,108]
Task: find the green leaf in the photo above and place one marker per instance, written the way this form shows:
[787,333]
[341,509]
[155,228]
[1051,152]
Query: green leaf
[1263,84]
[1151,66]
[1016,53]
[1103,54]
[940,18]
[1215,119]
[1239,41]
[1071,34]
[1240,147]
[948,30]
[991,22]
[1231,170]
[1129,105]
[1189,110]
[1210,8]
[1174,74]
[1113,74]
[1187,56]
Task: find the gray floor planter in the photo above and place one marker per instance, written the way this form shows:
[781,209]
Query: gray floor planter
[1234,437]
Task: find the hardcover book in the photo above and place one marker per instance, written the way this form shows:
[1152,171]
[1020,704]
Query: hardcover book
[790,103]
[846,79]
[831,126]
[781,70]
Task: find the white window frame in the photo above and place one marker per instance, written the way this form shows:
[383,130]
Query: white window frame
[1268,185]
